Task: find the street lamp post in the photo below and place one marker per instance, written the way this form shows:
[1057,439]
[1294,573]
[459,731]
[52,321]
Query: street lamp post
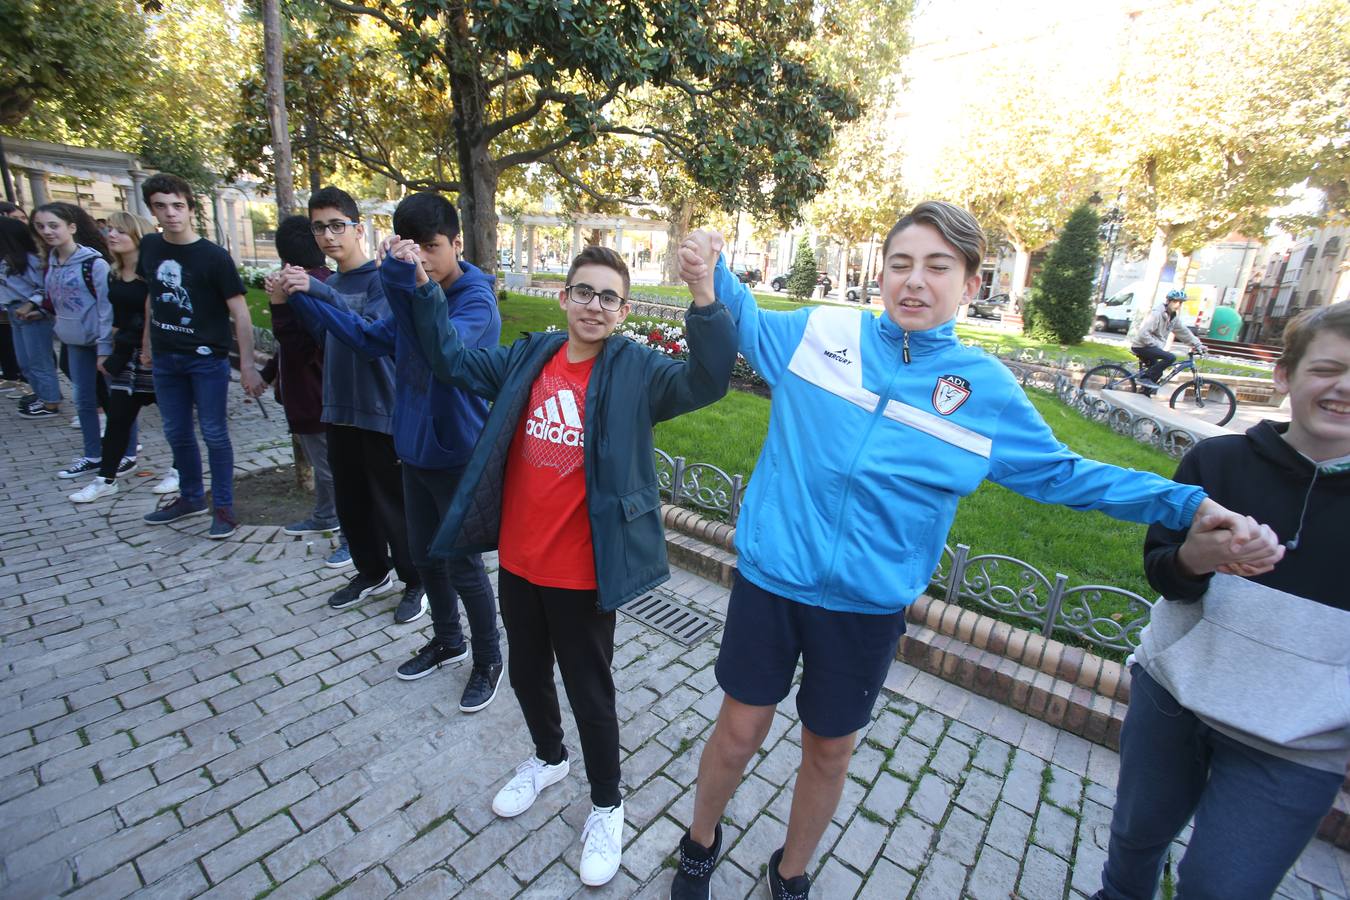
[1110,231]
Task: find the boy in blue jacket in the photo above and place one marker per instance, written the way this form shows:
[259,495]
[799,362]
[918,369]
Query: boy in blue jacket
[435,428]
[879,424]
[358,408]
[563,484]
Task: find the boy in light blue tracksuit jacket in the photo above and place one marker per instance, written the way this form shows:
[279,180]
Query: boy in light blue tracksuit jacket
[878,425]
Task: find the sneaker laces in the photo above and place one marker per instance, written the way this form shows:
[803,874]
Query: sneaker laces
[597,821]
[694,866]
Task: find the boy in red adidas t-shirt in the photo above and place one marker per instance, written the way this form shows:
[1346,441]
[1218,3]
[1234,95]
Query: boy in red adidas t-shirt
[563,483]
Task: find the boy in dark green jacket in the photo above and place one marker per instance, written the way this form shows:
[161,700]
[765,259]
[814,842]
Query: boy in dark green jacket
[563,484]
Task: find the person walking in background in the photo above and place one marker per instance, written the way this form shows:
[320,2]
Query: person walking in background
[76,285]
[296,372]
[30,318]
[194,291]
[131,383]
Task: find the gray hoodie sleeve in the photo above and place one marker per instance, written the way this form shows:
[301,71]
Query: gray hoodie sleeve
[105,311]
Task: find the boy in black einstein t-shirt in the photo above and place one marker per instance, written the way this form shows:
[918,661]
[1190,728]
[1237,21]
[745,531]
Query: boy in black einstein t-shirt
[194,291]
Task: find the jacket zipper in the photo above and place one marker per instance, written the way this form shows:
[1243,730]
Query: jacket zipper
[827,584]
[904,348]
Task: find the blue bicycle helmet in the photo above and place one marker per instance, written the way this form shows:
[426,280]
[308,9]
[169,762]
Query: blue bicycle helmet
[1176,295]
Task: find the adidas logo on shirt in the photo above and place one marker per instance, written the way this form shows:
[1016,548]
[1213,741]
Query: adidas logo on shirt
[557,421]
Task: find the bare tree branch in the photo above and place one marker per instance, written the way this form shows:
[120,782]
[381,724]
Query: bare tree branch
[630,200]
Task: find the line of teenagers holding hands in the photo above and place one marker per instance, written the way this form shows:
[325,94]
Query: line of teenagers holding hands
[878,425]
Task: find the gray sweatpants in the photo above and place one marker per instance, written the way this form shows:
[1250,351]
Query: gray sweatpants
[316,448]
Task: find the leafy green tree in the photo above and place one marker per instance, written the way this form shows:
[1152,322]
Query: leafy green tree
[748,116]
[80,55]
[1060,307]
[801,282]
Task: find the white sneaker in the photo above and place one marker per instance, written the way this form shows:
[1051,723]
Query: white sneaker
[94,490]
[601,845]
[75,422]
[532,776]
[169,484]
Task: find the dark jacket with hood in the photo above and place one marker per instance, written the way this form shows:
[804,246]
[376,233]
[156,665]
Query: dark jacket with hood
[435,425]
[1265,660]
[631,388]
[358,389]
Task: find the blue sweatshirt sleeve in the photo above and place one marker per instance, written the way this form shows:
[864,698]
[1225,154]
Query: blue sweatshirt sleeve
[318,308]
[767,340]
[425,312]
[104,339]
[1029,459]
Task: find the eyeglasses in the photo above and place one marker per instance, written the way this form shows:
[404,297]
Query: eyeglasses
[581,294]
[336,227]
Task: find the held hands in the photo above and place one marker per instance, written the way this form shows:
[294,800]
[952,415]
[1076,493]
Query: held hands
[276,291]
[1220,540]
[251,381]
[406,251]
[698,258]
[292,279]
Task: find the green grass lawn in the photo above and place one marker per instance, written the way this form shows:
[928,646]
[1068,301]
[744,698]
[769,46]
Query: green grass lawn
[257,307]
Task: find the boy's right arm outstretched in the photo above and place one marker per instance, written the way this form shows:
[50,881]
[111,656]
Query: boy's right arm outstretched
[422,313]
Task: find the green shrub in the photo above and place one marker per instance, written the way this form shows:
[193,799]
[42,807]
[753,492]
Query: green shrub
[801,283]
[1060,305]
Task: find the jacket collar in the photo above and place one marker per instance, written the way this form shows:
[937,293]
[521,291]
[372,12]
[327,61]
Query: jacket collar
[921,343]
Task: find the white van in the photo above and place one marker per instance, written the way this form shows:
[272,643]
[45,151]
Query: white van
[1116,312]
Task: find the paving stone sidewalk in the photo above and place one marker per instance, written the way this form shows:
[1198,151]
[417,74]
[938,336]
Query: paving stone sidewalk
[181,717]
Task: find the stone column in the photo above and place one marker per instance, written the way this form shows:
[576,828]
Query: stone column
[618,240]
[529,251]
[37,188]
[137,204]
[517,242]
[576,242]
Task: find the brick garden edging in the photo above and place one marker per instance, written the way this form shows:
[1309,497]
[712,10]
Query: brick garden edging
[1066,687]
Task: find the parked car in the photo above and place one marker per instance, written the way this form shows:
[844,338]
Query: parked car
[989,307]
[747,274]
[854,293]
[780,281]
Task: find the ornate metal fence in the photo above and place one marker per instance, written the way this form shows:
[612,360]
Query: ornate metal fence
[700,486]
[1014,587]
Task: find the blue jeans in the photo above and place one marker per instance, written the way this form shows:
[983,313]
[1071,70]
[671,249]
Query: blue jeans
[33,347]
[84,378]
[182,382]
[1254,812]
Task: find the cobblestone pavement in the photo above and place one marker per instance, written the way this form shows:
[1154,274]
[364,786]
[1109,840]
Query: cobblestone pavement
[180,717]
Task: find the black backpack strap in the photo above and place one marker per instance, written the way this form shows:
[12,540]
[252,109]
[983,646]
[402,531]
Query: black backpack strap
[87,269]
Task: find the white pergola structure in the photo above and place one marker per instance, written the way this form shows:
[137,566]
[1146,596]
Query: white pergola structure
[524,226]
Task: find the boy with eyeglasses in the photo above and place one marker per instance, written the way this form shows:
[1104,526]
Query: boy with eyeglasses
[563,485]
[358,407]
[435,427]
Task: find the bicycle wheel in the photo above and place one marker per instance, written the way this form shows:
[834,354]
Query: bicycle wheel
[1108,377]
[1209,401]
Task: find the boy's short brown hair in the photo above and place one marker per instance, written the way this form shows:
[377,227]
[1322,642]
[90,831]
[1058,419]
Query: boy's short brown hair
[595,255]
[1306,326]
[956,225]
[167,183]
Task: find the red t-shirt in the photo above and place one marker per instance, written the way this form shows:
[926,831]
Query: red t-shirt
[546,531]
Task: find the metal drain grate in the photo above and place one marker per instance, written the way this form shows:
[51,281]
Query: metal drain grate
[671,618]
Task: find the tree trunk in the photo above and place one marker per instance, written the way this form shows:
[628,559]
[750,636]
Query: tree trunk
[313,159]
[681,217]
[478,174]
[304,469]
[1021,266]
[1157,261]
[276,108]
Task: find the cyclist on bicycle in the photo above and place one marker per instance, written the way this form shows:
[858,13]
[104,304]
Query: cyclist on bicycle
[1149,340]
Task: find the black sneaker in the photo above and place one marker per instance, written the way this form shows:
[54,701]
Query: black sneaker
[36,409]
[693,878]
[430,658]
[780,888]
[412,606]
[124,467]
[177,509]
[482,687]
[359,589]
[80,465]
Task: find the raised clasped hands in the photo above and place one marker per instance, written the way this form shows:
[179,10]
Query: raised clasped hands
[406,251]
[698,257]
[1220,540]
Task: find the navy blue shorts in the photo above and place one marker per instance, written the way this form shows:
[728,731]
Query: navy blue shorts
[845,657]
